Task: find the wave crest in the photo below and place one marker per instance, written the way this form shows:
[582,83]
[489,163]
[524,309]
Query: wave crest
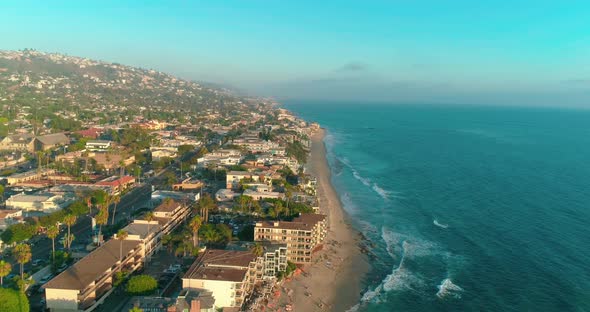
[447,289]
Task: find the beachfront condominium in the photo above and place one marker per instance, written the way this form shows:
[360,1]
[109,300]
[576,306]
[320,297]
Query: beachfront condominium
[302,235]
[228,274]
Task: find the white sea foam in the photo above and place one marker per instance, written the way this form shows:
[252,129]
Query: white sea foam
[385,194]
[440,225]
[347,203]
[447,289]
[366,181]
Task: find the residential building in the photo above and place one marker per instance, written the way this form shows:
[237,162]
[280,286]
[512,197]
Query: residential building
[9,217]
[49,141]
[233,178]
[302,235]
[170,213]
[274,259]
[188,184]
[228,274]
[89,281]
[17,142]
[148,232]
[187,301]
[32,175]
[161,152]
[117,184]
[98,145]
[258,195]
[45,202]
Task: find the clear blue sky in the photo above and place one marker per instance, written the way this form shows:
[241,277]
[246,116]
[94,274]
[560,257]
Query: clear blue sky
[484,51]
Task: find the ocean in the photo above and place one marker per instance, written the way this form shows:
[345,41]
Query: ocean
[465,208]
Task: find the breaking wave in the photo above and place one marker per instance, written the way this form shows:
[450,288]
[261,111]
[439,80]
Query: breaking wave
[365,181]
[447,289]
[440,225]
[402,247]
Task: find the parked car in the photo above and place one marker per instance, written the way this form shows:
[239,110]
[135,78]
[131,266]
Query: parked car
[45,279]
[37,262]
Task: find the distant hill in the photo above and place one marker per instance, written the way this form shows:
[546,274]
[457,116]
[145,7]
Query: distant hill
[32,78]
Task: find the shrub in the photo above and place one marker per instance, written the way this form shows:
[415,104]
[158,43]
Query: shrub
[13,301]
[141,285]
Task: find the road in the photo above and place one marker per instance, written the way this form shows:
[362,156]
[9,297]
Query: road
[82,230]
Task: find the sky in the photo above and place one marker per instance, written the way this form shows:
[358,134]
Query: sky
[491,52]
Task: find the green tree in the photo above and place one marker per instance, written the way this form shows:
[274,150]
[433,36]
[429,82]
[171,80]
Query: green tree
[116,200]
[102,218]
[5,269]
[13,301]
[195,225]
[257,249]
[141,285]
[69,220]
[52,232]
[206,203]
[135,309]
[22,254]
[1,193]
[17,233]
[121,236]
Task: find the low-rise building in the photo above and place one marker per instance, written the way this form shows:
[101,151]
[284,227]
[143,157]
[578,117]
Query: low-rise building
[9,217]
[302,235]
[32,175]
[148,232]
[117,184]
[187,301]
[49,141]
[170,213]
[188,184]
[44,202]
[98,145]
[258,195]
[89,281]
[228,274]
[234,178]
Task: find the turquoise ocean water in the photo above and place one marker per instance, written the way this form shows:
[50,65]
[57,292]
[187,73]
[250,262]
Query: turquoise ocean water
[465,208]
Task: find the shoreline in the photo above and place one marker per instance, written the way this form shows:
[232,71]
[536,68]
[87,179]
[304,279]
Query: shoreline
[333,282]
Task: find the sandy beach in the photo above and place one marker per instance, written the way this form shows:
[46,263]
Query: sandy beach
[333,281]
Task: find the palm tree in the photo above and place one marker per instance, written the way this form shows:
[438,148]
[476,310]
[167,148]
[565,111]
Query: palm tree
[206,203]
[279,209]
[69,220]
[149,217]
[22,255]
[52,232]
[5,269]
[288,195]
[195,225]
[116,200]
[257,249]
[121,236]
[102,218]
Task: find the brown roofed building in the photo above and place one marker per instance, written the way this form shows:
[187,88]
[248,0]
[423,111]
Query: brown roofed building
[170,213]
[86,283]
[302,235]
[48,141]
[228,274]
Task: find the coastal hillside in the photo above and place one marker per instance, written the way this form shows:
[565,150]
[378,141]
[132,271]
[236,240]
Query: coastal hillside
[37,79]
